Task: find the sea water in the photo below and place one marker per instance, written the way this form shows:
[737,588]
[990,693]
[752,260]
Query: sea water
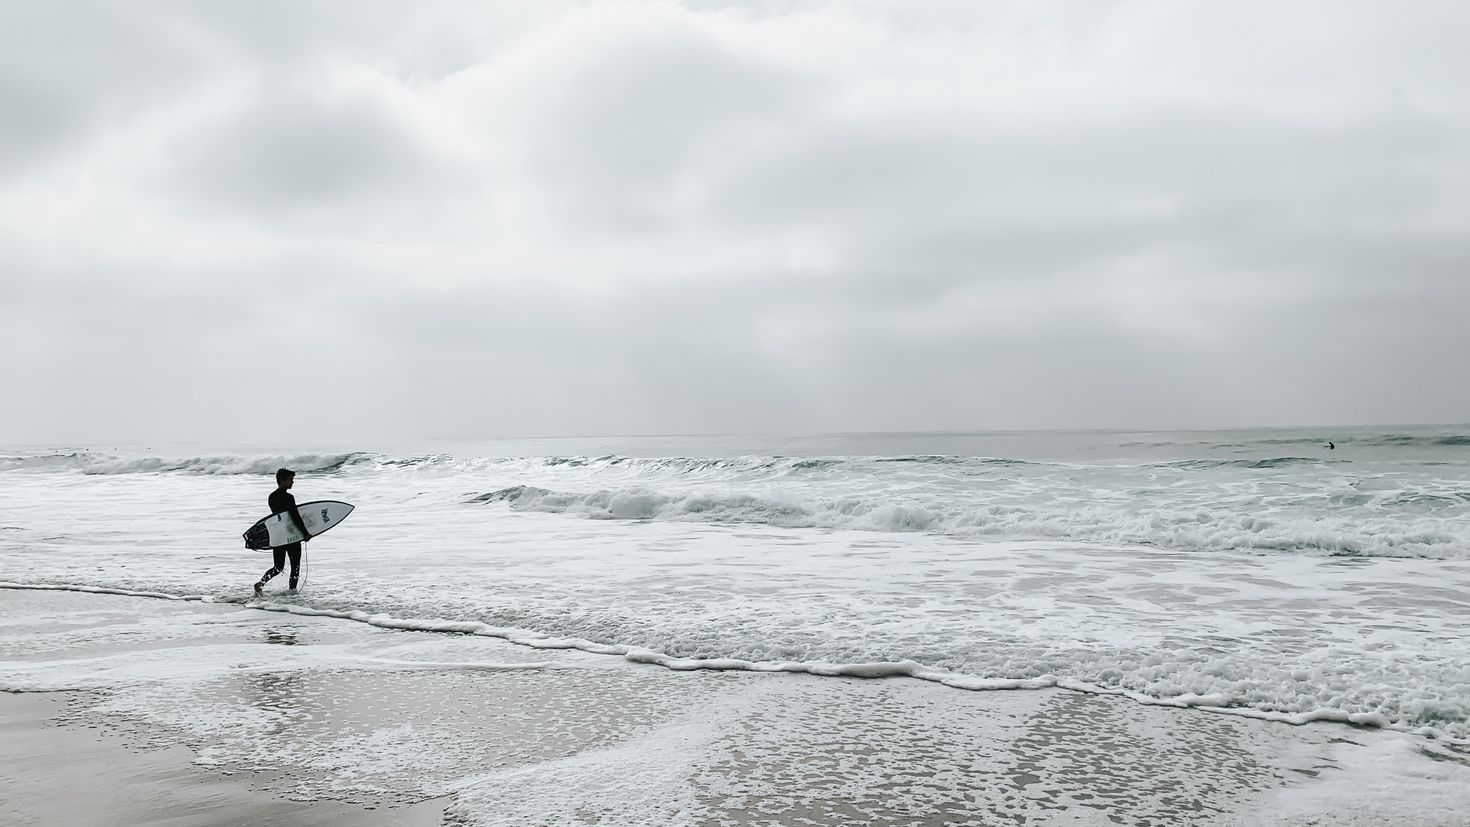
[1256,572]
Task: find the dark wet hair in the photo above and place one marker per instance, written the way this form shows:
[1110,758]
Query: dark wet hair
[283,474]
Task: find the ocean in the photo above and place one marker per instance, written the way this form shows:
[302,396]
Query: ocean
[1246,573]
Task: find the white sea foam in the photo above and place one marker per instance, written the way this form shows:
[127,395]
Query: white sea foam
[1237,686]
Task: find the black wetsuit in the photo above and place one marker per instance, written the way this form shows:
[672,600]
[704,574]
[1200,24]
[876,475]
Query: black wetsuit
[281,500]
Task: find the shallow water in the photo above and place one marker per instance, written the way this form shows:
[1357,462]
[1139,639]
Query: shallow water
[316,708]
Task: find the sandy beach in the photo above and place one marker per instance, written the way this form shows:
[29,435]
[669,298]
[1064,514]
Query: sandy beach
[61,768]
[145,711]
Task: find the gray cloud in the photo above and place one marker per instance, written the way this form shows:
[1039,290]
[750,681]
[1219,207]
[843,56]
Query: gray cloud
[480,221]
[285,151]
[70,71]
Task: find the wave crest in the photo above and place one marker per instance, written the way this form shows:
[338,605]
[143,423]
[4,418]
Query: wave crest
[1183,528]
[1268,462]
[86,462]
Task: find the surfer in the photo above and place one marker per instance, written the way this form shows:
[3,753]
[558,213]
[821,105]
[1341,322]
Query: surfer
[1330,446]
[281,499]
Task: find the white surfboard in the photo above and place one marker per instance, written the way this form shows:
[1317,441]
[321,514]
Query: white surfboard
[279,529]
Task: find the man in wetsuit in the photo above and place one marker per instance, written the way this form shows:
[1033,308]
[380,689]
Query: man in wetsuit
[281,500]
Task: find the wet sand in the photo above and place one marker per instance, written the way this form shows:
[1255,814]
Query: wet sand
[78,774]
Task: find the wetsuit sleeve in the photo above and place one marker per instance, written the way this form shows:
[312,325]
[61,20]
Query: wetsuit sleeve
[296,515]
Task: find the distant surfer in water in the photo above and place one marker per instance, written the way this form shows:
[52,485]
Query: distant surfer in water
[1330,446]
[282,500]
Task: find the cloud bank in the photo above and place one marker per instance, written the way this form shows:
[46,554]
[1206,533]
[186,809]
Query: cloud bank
[282,221]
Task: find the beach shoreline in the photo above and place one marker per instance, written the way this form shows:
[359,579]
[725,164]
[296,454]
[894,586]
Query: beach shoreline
[361,725]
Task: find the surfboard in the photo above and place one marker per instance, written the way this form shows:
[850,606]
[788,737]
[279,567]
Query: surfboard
[279,529]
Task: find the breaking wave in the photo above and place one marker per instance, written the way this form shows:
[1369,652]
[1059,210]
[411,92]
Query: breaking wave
[1181,527]
[1269,462]
[85,462]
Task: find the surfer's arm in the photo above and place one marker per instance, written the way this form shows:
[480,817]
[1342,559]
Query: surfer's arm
[300,523]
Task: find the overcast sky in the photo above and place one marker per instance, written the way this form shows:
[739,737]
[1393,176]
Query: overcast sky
[367,220]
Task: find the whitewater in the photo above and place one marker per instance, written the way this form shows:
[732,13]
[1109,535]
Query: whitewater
[1254,573]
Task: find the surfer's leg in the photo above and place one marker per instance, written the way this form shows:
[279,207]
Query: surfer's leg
[295,551]
[278,560]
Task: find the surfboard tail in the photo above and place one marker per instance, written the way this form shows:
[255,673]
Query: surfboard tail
[258,537]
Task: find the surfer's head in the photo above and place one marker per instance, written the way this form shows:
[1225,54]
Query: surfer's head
[284,477]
